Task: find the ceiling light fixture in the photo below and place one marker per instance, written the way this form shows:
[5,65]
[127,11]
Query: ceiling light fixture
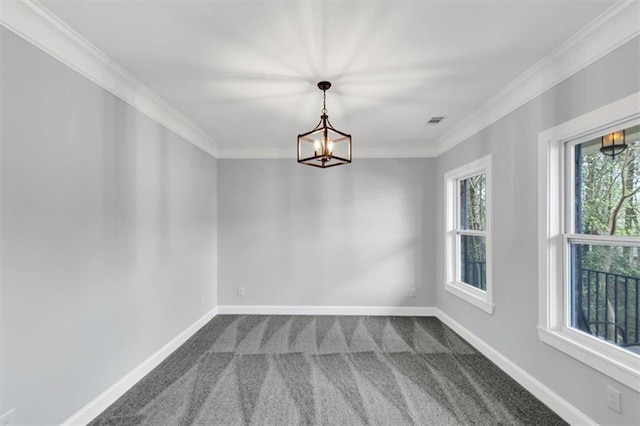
[613,143]
[324,146]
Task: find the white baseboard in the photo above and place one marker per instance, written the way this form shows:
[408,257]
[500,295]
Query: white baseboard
[109,396]
[565,410]
[325,310]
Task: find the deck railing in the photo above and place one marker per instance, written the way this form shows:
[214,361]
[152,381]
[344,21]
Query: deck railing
[610,305]
[607,304]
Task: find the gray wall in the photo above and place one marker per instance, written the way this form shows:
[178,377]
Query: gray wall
[108,236]
[356,235]
[513,143]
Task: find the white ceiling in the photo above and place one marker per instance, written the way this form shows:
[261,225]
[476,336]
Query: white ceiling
[246,71]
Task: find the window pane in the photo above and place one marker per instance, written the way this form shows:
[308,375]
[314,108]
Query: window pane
[473,203]
[605,282]
[608,188]
[473,264]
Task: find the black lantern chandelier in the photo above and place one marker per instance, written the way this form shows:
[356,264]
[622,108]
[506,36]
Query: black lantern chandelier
[324,146]
[613,143]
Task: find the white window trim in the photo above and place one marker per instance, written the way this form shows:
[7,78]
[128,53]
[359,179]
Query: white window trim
[553,193]
[477,297]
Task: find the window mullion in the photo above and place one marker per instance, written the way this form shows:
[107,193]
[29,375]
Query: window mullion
[603,240]
[471,233]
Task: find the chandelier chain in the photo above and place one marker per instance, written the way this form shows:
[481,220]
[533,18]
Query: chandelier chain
[324,102]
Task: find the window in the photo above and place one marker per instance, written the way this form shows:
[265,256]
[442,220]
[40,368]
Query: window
[590,241]
[603,241]
[468,233]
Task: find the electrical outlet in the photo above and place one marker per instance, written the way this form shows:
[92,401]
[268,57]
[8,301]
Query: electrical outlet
[241,291]
[414,293]
[613,399]
[7,418]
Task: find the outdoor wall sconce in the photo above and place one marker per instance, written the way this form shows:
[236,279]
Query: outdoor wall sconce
[613,144]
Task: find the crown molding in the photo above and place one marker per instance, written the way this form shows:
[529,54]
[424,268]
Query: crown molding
[613,28]
[616,26]
[33,22]
[372,150]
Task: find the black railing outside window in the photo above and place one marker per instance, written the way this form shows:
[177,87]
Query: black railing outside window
[607,306]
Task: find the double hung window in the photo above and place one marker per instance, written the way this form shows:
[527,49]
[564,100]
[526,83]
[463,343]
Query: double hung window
[589,241]
[603,241]
[468,234]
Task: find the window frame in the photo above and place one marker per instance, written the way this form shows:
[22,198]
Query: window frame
[476,297]
[556,228]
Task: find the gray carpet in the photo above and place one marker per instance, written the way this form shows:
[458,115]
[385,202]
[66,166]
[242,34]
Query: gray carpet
[330,370]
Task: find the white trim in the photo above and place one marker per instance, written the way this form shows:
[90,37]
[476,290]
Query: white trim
[554,223]
[471,233]
[370,150]
[610,30]
[611,115]
[602,240]
[478,298]
[109,396]
[325,310]
[33,22]
[563,408]
[470,294]
[607,357]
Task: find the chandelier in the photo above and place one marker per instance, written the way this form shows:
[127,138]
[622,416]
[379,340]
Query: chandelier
[324,146]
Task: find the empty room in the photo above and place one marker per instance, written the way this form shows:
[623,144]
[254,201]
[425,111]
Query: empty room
[270,212]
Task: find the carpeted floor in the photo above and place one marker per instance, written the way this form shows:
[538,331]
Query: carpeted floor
[330,370]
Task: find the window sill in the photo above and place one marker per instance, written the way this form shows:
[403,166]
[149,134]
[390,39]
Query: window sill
[477,298]
[617,363]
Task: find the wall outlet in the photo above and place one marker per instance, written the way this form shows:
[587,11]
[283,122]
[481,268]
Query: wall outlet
[7,418]
[613,399]
[240,291]
[414,293]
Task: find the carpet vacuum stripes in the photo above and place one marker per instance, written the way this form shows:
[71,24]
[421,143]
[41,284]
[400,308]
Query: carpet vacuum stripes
[329,370]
